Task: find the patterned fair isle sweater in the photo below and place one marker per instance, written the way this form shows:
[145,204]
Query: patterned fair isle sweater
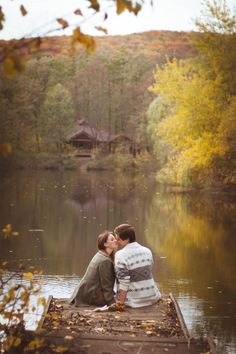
[133,266]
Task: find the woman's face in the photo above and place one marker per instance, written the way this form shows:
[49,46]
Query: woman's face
[111,242]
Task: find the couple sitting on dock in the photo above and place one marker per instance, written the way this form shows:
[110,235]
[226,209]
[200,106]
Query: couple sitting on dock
[130,268]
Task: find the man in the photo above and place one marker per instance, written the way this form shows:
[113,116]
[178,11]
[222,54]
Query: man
[133,267]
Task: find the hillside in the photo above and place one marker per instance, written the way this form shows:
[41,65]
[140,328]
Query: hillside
[155,44]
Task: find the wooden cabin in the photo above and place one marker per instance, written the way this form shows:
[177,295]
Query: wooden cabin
[87,138]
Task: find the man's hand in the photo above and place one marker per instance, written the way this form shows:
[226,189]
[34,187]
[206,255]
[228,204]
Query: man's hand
[122,296]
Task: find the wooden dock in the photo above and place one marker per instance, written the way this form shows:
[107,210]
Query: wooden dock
[156,329]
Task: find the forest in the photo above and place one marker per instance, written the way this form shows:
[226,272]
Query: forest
[174,92]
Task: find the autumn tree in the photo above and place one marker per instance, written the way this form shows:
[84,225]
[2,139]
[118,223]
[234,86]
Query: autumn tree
[198,125]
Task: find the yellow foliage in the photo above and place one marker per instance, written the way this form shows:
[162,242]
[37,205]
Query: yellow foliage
[194,125]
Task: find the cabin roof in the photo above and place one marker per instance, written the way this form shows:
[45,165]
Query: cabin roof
[101,136]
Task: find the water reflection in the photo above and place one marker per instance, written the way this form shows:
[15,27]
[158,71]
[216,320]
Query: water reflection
[192,236]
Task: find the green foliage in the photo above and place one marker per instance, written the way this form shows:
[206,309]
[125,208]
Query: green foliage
[57,115]
[217,43]
[156,113]
[197,124]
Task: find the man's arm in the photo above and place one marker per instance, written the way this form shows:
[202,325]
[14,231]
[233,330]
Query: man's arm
[123,277]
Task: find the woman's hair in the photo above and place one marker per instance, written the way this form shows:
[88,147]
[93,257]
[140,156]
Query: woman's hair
[102,239]
[125,232]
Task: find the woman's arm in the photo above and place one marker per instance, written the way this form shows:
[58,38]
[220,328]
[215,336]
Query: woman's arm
[107,279]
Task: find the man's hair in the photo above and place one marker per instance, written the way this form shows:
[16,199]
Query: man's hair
[125,232]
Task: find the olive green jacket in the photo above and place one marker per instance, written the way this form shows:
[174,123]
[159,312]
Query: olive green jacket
[96,286]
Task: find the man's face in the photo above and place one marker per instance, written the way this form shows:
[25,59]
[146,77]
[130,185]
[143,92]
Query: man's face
[121,242]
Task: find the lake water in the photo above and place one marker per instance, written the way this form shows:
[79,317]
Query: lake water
[192,237]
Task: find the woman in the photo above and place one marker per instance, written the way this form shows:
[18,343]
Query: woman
[96,286]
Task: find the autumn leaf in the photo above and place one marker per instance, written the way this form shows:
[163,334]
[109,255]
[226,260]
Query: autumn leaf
[136,9]
[23,10]
[34,344]
[2,18]
[102,29]
[11,294]
[7,230]
[41,301]
[28,276]
[78,12]
[62,22]
[120,6]
[94,5]
[69,337]
[60,349]
[17,342]
[86,40]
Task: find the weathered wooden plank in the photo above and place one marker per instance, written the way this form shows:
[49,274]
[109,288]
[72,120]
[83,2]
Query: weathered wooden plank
[45,311]
[180,316]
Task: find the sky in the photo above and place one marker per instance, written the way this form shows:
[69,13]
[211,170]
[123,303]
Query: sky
[174,15]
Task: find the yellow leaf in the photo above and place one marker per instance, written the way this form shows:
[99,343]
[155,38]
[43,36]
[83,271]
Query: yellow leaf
[11,294]
[24,297]
[28,276]
[17,342]
[60,349]
[87,41]
[41,301]
[120,7]
[94,5]
[34,344]
[99,28]
[136,9]
[5,149]
[23,10]
[62,22]
[69,337]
